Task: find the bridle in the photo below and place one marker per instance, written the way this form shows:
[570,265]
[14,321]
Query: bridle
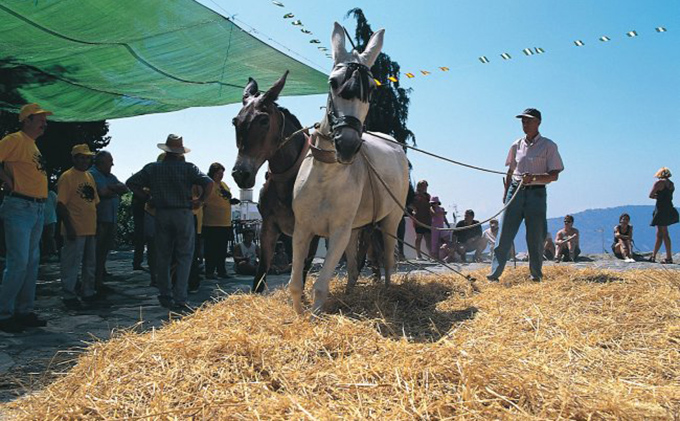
[338,122]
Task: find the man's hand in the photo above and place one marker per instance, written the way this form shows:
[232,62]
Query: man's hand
[196,203]
[70,232]
[528,179]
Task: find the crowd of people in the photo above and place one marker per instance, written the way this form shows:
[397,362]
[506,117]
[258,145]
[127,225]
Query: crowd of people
[182,215]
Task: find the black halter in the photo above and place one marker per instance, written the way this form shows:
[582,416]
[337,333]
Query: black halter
[364,88]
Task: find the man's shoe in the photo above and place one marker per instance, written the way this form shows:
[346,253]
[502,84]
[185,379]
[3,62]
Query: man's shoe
[105,290]
[96,300]
[491,278]
[210,276]
[11,326]
[137,267]
[72,303]
[224,275]
[193,289]
[183,309]
[535,279]
[30,320]
[165,301]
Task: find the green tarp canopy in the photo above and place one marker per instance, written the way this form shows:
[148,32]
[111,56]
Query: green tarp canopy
[89,60]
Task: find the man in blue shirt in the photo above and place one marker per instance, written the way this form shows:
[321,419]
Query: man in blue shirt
[109,189]
[170,182]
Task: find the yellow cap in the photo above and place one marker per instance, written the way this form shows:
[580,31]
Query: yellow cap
[30,109]
[81,149]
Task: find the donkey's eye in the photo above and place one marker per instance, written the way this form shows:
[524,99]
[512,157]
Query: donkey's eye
[334,83]
[234,122]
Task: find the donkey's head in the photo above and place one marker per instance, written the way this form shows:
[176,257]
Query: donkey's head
[258,131]
[351,86]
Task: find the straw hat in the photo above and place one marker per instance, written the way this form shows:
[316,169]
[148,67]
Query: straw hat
[174,144]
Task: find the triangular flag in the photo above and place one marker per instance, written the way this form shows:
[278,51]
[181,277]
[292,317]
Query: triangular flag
[506,56]
[660,29]
[632,34]
[278,3]
[444,69]
[605,38]
[483,59]
[305,31]
[424,72]
[528,51]
[322,48]
[315,41]
[377,82]
[288,16]
[579,43]
[539,50]
[393,79]
[410,75]
[297,23]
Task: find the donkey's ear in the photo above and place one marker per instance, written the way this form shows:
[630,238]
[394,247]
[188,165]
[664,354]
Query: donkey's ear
[273,93]
[375,44]
[338,43]
[250,90]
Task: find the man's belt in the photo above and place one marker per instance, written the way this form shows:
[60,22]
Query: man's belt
[29,198]
[542,186]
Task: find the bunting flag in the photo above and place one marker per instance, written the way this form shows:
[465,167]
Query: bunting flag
[377,82]
[483,59]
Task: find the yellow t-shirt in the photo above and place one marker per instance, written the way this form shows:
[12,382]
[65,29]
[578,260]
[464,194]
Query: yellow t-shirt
[217,207]
[77,191]
[24,163]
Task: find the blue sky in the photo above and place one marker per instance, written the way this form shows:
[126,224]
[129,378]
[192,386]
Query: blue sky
[613,108]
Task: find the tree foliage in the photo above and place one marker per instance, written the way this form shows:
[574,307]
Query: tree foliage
[55,145]
[389,105]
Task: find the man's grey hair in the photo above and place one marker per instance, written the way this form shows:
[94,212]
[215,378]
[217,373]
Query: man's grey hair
[100,155]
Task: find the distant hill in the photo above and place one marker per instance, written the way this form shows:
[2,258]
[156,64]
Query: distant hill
[597,229]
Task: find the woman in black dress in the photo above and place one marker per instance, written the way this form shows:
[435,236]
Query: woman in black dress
[664,212]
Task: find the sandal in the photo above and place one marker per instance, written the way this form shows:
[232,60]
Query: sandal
[652,260]
[667,262]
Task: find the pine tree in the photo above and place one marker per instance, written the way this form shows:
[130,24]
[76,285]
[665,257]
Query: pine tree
[389,105]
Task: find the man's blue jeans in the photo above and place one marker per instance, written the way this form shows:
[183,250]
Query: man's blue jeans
[530,206]
[23,222]
[174,237]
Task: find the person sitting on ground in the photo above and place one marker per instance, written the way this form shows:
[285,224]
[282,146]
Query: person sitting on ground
[280,262]
[567,242]
[77,201]
[448,252]
[623,239]
[548,247]
[470,239]
[245,254]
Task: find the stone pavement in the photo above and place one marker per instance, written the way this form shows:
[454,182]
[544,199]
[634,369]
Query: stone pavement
[33,359]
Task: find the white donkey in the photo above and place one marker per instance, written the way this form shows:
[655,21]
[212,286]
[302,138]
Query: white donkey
[336,192]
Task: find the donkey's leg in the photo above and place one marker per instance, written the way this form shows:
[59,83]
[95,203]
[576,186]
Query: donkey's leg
[337,243]
[268,236]
[313,246]
[301,241]
[389,228]
[352,262]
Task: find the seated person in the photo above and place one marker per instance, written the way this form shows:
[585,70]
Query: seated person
[245,254]
[280,262]
[548,248]
[566,241]
[448,252]
[623,239]
[470,239]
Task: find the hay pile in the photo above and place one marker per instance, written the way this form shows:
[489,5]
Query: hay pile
[584,344]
